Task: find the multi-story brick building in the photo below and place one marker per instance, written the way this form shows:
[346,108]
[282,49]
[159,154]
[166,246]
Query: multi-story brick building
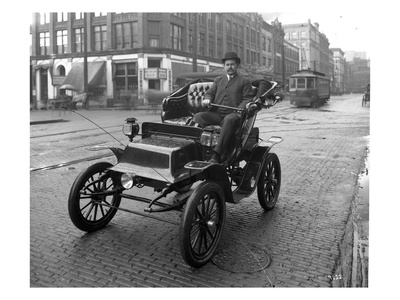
[359,75]
[128,54]
[338,82]
[313,45]
[292,56]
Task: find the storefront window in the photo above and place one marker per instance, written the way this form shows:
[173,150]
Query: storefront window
[154,84]
[126,81]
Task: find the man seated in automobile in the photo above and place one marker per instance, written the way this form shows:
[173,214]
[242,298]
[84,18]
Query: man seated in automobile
[232,90]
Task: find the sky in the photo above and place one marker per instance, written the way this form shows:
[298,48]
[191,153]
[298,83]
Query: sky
[345,30]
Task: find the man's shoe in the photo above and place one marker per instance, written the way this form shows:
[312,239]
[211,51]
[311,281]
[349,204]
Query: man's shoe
[215,159]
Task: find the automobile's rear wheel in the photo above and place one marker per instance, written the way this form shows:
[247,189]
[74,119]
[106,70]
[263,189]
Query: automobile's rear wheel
[202,224]
[269,182]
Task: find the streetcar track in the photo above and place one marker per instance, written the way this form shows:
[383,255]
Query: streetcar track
[72,162]
[72,132]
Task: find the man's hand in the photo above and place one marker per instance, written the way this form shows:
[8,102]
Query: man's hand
[206,103]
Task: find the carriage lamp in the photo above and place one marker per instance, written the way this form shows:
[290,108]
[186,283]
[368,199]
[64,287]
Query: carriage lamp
[209,139]
[127,180]
[131,128]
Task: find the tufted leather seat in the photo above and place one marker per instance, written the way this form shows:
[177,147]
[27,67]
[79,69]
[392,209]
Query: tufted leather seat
[181,109]
[196,95]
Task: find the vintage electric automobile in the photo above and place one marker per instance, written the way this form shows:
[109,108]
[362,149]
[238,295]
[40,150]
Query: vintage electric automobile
[172,156]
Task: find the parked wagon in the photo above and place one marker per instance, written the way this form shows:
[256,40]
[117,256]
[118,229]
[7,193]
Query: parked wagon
[366,97]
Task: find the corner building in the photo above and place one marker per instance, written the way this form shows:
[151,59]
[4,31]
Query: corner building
[129,54]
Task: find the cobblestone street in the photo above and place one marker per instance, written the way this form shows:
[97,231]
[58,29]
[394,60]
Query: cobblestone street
[321,156]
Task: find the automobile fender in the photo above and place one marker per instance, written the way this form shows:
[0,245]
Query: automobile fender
[214,172]
[117,151]
[253,168]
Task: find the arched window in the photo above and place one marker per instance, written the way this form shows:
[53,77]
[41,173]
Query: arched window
[61,71]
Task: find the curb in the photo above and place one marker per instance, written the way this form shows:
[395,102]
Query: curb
[46,121]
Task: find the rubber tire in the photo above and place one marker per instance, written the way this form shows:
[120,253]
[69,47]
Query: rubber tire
[76,213]
[269,183]
[208,227]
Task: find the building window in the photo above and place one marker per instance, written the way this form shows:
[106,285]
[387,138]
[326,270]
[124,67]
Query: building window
[269,45]
[44,43]
[253,36]
[176,37]
[154,63]
[228,27]
[218,22]
[126,35]
[153,29]
[44,18]
[219,47]
[62,41]
[79,40]
[264,43]
[241,32]
[302,34]
[154,84]
[126,80]
[235,30]
[79,15]
[203,18]
[211,46]
[99,14]
[210,20]
[294,35]
[100,38]
[202,43]
[62,17]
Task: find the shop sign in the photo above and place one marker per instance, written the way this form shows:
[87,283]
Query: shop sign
[58,80]
[155,73]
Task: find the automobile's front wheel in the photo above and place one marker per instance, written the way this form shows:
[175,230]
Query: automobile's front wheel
[202,224]
[89,207]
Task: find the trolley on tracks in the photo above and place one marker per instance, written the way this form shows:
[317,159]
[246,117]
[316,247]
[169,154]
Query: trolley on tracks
[309,88]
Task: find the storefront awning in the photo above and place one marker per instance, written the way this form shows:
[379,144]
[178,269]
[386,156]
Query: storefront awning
[96,75]
[41,66]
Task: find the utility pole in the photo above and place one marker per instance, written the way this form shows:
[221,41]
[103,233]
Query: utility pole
[283,67]
[85,43]
[85,66]
[194,64]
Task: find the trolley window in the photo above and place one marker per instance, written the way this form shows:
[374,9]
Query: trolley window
[301,83]
[292,82]
[310,83]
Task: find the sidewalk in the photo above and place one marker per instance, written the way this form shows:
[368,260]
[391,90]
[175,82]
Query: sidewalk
[38,116]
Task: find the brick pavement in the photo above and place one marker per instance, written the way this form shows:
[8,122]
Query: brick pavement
[302,234]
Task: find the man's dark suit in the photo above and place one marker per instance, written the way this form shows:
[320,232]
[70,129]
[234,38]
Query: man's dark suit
[235,93]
